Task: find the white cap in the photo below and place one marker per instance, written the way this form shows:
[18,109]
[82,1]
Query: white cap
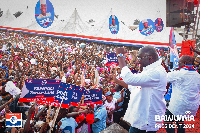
[145,20]
[43,2]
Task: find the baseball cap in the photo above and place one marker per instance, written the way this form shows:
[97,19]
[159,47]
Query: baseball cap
[108,93]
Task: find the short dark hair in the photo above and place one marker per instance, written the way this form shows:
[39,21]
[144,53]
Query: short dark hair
[71,108]
[151,51]
[188,59]
[63,110]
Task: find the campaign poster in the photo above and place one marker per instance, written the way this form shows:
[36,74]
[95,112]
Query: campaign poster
[146,27]
[77,94]
[111,59]
[64,95]
[39,90]
[44,13]
[13,119]
[113,24]
[159,25]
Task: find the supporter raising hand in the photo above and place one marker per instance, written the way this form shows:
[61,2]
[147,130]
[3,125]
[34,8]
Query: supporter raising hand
[27,124]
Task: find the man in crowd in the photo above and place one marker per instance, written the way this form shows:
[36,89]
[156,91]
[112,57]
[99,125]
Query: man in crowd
[149,100]
[185,96]
[100,114]
[118,111]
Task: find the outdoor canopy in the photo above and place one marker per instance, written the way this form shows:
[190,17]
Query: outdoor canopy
[75,28]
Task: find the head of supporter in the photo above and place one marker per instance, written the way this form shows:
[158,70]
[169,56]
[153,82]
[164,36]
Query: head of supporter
[111,88]
[105,90]
[109,96]
[62,113]
[118,88]
[185,60]
[147,55]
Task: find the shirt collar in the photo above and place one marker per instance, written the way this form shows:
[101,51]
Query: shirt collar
[153,65]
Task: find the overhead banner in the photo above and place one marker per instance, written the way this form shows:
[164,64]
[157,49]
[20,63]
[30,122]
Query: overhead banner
[113,24]
[111,59]
[146,27]
[44,13]
[39,90]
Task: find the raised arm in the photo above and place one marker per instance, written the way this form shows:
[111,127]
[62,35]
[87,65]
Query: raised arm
[117,81]
[122,96]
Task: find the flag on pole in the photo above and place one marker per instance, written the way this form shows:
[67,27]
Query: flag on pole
[174,58]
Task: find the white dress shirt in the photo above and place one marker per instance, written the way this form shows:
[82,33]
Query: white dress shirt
[185,92]
[148,101]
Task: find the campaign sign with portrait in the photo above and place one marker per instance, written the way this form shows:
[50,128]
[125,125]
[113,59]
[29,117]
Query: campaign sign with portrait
[113,24]
[146,27]
[159,25]
[44,13]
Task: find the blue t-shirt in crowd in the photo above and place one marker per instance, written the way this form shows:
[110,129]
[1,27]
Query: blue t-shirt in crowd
[68,122]
[101,114]
[117,95]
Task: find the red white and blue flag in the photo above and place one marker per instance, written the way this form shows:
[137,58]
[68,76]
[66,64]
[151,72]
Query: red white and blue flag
[13,119]
[174,57]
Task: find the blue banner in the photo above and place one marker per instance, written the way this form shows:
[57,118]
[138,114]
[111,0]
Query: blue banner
[112,59]
[64,92]
[53,91]
[77,94]
[39,89]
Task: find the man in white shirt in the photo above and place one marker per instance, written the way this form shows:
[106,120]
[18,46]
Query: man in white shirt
[149,100]
[185,96]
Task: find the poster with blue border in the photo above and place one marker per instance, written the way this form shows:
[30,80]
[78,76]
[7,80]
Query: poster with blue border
[146,27]
[159,25]
[113,24]
[44,13]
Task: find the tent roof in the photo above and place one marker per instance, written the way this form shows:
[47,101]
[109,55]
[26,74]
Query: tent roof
[25,19]
[6,18]
[74,25]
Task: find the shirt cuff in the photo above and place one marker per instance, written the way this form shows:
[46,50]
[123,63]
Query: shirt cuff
[124,71]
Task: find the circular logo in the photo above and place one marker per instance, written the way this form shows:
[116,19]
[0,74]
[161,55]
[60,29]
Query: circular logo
[159,25]
[44,13]
[146,27]
[44,82]
[113,24]
[13,119]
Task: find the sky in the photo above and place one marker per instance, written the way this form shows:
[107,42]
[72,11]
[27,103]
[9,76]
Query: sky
[126,10]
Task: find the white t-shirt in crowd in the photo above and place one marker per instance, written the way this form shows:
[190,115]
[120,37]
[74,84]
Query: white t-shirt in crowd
[110,105]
